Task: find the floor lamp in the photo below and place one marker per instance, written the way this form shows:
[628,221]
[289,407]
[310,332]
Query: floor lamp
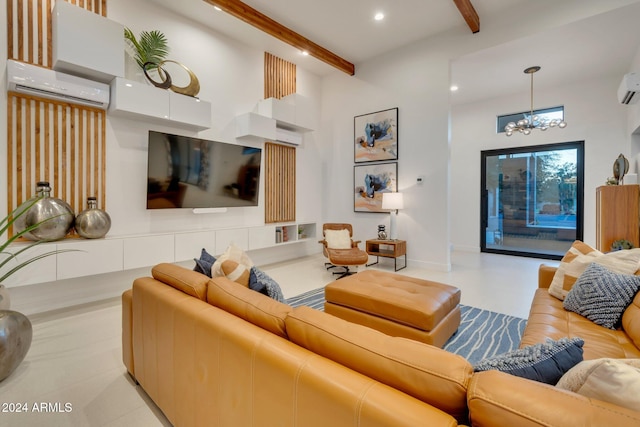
[394,202]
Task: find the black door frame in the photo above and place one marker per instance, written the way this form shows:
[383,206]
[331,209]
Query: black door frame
[484,217]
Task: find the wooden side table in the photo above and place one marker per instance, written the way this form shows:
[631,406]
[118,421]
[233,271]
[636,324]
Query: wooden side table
[387,249]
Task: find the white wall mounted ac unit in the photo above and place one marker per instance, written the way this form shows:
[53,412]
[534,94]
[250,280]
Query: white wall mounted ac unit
[629,90]
[288,136]
[32,80]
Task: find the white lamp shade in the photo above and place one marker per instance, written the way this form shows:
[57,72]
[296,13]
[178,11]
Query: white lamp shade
[392,201]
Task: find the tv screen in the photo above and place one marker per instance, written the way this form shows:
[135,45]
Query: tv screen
[186,172]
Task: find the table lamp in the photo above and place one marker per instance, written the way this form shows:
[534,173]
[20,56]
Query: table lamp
[394,202]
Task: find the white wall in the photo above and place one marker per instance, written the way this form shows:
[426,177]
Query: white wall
[416,80]
[231,78]
[593,114]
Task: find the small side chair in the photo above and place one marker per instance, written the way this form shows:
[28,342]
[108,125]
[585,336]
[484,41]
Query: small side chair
[340,249]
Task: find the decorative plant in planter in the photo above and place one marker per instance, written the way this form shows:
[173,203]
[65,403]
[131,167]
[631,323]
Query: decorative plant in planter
[621,244]
[151,47]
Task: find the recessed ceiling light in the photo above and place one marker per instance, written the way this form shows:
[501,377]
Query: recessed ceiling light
[304,53]
[379,16]
[217,8]
[454,88]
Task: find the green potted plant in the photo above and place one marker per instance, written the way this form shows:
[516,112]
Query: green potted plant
[152,46]
[6,258]
[621,244]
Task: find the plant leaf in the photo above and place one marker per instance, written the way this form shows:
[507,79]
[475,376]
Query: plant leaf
[34,259]
[151,47]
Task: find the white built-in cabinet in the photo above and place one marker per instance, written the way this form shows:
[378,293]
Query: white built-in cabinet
[131,99]
[89,257]
[86,44]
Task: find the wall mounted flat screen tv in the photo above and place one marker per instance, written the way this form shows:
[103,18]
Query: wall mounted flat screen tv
[186,172]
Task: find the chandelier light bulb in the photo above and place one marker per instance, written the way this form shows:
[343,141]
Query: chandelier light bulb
[562,124]
[526,131]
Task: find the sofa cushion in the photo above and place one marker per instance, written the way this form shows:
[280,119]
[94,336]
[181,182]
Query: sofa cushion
[615,381]
[338,239]
[188,281]
[631,321]
[426,372]
[235,272]
[261,282]
[204,263]
[578,258]
[545,362]
[602,295]
[251,306]
[233,253]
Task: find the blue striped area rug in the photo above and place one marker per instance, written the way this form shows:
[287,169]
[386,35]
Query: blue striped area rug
[481,334]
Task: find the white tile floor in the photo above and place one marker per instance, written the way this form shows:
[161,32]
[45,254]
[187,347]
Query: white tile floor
[75,365]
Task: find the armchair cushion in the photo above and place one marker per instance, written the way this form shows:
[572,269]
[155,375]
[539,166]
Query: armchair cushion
[337,239]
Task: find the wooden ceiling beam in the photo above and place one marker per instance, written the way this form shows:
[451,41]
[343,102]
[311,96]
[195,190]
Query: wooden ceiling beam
[262,22]
[469,14]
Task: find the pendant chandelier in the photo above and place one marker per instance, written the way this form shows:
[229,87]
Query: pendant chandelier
[526,124]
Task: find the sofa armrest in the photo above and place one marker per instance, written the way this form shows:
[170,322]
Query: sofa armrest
[545,275]
[500,399]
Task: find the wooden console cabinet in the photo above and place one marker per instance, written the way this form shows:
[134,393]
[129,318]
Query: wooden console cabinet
[617,215]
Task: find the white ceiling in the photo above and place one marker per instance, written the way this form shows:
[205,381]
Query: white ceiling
[345,27]
[597,46]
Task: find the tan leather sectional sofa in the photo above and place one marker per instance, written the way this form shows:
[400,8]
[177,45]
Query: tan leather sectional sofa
[212,352]
[495,395]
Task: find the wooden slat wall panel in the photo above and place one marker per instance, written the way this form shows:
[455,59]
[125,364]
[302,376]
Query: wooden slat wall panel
[57,142]
[280,183]
[29,28]
[279,77]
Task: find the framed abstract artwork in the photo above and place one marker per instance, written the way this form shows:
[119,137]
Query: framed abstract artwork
[369,182]
[376,136]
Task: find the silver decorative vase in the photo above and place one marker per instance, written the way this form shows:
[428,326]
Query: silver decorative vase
[55,215]
[15,339]
[93,223]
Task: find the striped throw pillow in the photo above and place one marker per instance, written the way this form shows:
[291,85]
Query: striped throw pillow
[578,258]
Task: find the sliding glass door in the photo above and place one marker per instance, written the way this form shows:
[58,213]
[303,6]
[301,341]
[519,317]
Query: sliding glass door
[532,199]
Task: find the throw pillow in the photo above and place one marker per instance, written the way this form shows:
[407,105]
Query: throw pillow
[259,281]
[204,263]
[578,258]
[615,381]
[233,253]
[338,239]
[236,272]
[602,295]
[544,362]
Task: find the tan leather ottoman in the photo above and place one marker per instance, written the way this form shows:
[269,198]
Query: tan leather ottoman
[397,305]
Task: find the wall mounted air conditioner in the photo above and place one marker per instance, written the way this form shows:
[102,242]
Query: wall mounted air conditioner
[288,136]
[629,90]
[32,80]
